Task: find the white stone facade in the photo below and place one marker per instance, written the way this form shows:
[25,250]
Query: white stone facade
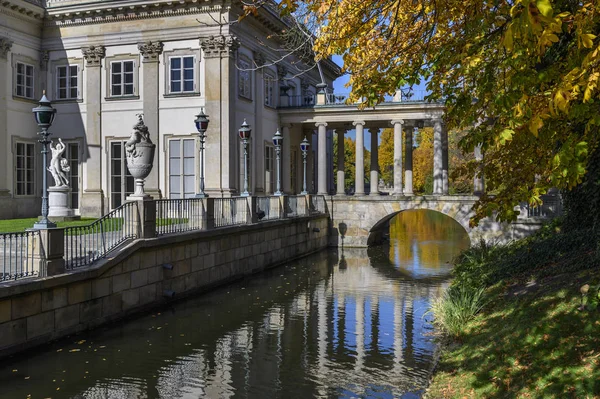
[101,63]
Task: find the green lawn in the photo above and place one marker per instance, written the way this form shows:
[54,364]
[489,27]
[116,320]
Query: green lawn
[532,339]
[18,225]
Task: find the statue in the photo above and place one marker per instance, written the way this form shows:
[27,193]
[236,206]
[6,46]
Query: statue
[59,165]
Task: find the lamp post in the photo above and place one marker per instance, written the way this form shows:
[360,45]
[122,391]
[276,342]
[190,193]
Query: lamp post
[277,139]
[245,133]
[201,122]
[44,116]
[304,144]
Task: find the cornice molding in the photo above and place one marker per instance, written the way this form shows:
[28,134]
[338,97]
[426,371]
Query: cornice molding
[5,46]
[93,55]
[108,12]
[150,51]
[219,46]
[23,11]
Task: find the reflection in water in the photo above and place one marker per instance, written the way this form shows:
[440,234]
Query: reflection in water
[309,329]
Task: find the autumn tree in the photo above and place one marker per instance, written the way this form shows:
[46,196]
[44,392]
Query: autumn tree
[423,162]
[386,156]
[521,77]
[349,162]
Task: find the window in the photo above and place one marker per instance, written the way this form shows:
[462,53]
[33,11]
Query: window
[25,178]
[244,78]
[269,86]
[182,72]
[122,184]
[182,168]
[24,80]
[73,158]
[269,168]
[67,82]
[122,78]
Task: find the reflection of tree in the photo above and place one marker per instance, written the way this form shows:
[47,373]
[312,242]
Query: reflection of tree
[417,234]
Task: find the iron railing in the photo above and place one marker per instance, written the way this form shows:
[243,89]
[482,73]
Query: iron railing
[179,215]
[296,206]
[22,255]
[86,244]
[301,101]
[318,204]
[231,211]
[551,207]
[269,208]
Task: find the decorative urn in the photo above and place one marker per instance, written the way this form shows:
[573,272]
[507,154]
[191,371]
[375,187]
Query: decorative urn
[139,151]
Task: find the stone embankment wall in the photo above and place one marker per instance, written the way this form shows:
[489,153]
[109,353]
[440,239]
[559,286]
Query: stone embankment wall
[145,274]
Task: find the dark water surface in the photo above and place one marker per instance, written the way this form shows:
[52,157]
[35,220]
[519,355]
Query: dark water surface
[338,324]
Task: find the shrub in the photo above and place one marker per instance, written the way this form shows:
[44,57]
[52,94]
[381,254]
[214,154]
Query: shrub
[455,308]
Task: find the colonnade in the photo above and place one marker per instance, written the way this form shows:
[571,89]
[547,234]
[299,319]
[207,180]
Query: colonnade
[403,172]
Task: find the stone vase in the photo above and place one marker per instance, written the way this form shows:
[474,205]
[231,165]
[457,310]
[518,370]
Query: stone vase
[140,163]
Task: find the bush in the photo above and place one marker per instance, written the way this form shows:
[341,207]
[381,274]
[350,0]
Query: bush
[455,308]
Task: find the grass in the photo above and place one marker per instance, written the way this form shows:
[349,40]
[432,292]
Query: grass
[532,339]
[18,225]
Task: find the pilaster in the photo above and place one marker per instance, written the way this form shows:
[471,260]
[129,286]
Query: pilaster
[5,90]
[222,141]
[151,52]
[286,166]
[257,156]
[92,202]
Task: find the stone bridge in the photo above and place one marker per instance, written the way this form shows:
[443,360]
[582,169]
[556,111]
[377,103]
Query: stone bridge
[363,221]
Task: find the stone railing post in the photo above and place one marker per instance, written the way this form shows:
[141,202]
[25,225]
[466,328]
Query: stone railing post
[284,206]
[146,221]
[253,205]
[48,250]
[208,221]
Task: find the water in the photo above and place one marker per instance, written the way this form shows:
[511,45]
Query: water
[338,324]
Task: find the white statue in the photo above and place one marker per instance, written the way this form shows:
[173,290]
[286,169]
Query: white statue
[59,165]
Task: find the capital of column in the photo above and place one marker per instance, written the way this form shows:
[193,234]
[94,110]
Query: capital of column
[44,58]
[355,123]
[5,46]
[281,71]
[93,55]
[318,124]
[219,46]
[286,125]
[150,51]
[259,58]
[397,121]
[437,121]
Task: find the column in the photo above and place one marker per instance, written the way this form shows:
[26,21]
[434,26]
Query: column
[257,153]
[359,181]
[408,161]
[374,163]
[445,182]
[5,80]
[478,182]
[92,201]
[437,157]
[310,162]
[150,52]
[221,144]
[341,174]
[286,156]
[322,157]
[360,333]
[397,156]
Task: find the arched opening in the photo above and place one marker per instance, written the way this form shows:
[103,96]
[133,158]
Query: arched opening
[419,243]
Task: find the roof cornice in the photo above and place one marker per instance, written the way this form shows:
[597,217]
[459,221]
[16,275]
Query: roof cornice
[24,10]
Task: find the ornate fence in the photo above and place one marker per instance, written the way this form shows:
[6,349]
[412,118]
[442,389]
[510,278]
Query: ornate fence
[22,255]
[86,244]
[179,215]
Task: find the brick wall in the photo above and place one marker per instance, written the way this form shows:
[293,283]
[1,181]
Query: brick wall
[146,274]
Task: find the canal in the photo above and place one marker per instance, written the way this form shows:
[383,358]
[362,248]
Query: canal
[343,323]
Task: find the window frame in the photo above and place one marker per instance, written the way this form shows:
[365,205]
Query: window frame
[269,89]
[182,157]
[33,182]
[27,62]
[198,72]
[109,61]
[68,63]
[242,70]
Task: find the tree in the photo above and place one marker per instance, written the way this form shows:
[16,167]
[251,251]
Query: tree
[349,162]
[386,156]
[423,162]
[520,77]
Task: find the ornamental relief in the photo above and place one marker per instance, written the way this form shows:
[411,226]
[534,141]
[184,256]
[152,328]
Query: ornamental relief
[93,55]
[5,46]
[150,51]
[219,46]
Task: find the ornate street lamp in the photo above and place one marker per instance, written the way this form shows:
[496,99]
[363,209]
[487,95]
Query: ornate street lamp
[277,139]
[201,122]
[44,116]
[245,133]
[304,144]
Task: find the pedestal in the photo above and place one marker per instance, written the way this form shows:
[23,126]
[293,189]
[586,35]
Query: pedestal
[58,201]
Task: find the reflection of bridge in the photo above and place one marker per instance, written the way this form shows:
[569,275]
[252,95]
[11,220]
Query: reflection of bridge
[362,221]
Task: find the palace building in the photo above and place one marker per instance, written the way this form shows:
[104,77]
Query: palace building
[103,62]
